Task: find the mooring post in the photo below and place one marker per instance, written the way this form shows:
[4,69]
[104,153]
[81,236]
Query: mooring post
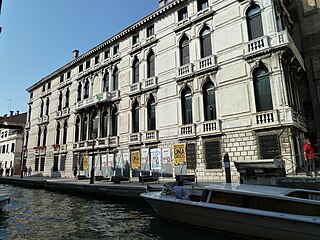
[226,162]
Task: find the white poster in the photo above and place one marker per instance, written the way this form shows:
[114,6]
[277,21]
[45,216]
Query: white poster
[155,158]
[110,160]
[104,160]
[166,156]
[126,158]
[144,155]
[119,160]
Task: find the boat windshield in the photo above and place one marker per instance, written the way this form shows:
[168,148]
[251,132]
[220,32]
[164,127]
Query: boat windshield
[305,195]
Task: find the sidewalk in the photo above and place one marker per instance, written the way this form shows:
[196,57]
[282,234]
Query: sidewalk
[124,190]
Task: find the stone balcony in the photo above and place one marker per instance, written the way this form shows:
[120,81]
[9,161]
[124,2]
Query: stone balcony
[28,124]
[275,118]
[102,97]
[135,88]
[63,113]
[184,70]
[114,94]
[149,83]
[209,127]
[113,141]
[268,43]
[43,119]
[151,136]
[135,138]
[187,130]
[206,63]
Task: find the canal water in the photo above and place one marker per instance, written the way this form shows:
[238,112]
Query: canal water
[39,214]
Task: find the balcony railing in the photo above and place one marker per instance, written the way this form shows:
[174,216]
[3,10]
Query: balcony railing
[188,130]
[185,70]
[62,113]
[43,119]
[210,127]
[151,136]
[135,87]
[135,138]
[114,94]
[113,141]
[207,62]
[266,43]
[102,97]
[265,118]
[289,116]
[150,82]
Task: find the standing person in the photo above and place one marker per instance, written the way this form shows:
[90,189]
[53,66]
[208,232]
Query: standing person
[75,172]
[309,156]
[29,171]
[25,170]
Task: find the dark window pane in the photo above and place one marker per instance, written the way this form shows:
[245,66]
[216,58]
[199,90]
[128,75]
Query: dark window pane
[212,154]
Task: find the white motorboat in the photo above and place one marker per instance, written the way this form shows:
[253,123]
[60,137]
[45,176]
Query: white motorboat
[253,210]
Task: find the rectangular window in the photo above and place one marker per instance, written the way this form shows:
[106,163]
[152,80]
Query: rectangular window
[31,95]
[96,59]
[150,31]
[269,146]
[135,39]
[87,64]
[61,78]
[12,147]
[43,88]
[55,163]
[68,74]
[191,156]
[81,68]
[115,49]
[42,159]
[212,154]
[182,14]
[63,163]
[106,53]
[36,164]
[202,4]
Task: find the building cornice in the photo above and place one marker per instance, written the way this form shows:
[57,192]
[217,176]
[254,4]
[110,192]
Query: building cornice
[151,17]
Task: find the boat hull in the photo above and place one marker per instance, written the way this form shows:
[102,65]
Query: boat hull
[219,219]
[4,200]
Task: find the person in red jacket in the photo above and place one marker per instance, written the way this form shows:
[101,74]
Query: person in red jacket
[309,158]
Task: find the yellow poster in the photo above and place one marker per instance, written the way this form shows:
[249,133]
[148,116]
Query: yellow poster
[179,151]
[135,160]
[85,163]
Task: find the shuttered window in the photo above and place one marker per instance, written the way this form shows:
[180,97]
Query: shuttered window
[150,65]
[205,42]
[135,69]
[209,102]
[184,51]
[135,117]
[254,22]
[212,152]
[262,89]
[191,156]
[186,106]
[151,114]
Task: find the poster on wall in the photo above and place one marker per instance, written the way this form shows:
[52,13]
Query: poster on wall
[104,164]
[144,155]
[85,163]
[155,158]
[166,156]
[135,160]
[110,160]
[179,154]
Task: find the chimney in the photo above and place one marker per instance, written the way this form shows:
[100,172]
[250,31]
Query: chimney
[11,113]
[17,112]
[75,54]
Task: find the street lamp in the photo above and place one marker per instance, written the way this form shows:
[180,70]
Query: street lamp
[93,136]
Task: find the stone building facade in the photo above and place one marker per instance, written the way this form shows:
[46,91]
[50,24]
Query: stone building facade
[194,79]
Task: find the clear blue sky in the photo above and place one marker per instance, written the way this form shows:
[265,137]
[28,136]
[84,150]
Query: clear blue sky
[38,37]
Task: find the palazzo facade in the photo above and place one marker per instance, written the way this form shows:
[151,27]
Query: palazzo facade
[199,78]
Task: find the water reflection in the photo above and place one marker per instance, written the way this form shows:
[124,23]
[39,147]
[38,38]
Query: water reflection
[39,214]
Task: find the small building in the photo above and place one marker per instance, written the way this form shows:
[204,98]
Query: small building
[11,140]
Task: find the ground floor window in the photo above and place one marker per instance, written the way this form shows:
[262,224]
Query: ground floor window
[63,163]
[191,156]
[55,163]
[212,154]
[36,164]
[42,163]
[269,146]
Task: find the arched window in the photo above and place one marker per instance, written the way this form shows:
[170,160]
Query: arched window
[77,130]
[150,65]
[209,102]
[44,139]
[151,109]
[66,105]
[205,42]
[104,124]
[94,124]
[60,102]
[254,22]
[135,117]
[115,79]
[39,137]
[47,106]
[186,104]
[135,71]
[58,133]
[86,90]
[262,89]
[65,132]
[79,92]
[184,51]
[114,122]
[41,108]
[84,128]
[106,82]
